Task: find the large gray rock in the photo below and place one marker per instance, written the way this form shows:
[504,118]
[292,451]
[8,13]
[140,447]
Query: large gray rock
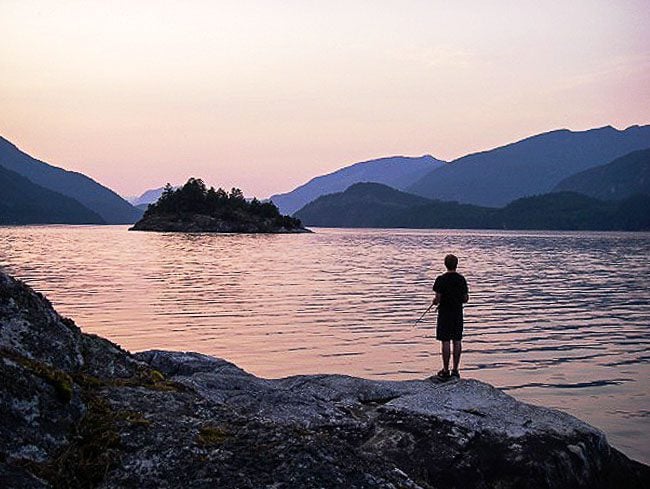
[78,411]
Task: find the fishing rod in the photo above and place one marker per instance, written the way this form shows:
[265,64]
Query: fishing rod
[423,314]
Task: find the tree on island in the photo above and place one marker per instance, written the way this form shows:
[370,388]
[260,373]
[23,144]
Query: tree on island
[194,198]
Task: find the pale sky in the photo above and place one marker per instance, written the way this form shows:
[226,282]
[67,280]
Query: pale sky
[265,95]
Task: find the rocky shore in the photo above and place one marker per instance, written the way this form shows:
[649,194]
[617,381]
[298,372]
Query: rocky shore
[79,411]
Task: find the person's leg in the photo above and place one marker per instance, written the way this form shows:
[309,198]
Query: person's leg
[446,353]
[458,349]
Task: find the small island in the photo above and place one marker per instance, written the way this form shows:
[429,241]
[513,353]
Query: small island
[196,208]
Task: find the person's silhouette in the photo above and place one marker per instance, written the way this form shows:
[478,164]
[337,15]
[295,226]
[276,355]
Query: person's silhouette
[451,293]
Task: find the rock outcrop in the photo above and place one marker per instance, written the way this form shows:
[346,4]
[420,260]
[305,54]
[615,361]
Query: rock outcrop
[78,411]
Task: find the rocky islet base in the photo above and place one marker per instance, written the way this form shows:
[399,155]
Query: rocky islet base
[200,223]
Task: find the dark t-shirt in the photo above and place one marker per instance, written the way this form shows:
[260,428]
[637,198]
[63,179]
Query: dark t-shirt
[452,288]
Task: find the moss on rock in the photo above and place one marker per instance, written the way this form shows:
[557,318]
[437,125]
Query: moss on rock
[210,435]
[59,380]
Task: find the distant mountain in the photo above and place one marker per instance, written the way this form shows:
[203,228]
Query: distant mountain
[619,179]
[110,206]
[396,171]
[148,197]
[528,167]
[375,205]
[571,211]
[24,202]
[361,205]
[559,211]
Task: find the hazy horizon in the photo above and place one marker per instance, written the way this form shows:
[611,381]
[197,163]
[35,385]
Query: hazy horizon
[267,96]
[342,165]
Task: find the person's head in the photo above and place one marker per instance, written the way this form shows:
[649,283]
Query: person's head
[451,262]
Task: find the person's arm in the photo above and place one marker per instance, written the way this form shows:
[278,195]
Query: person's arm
[466,295]
[436,288]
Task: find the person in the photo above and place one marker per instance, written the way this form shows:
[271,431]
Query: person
[451,293]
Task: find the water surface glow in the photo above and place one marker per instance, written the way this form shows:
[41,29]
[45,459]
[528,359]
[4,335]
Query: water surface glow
[558,319]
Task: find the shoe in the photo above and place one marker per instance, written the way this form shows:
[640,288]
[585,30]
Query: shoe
[455,374]
[443,374]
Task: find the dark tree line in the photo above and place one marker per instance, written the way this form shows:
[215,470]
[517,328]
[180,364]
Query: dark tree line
[195,198]
[376,205]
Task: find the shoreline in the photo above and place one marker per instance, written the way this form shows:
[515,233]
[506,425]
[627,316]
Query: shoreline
[198,408]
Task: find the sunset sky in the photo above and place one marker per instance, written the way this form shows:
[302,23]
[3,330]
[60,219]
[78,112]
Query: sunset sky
[267,94]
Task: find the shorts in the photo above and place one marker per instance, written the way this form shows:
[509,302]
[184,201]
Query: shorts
[449,327]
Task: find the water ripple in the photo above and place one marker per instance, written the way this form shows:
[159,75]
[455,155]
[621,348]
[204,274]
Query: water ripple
[557,318]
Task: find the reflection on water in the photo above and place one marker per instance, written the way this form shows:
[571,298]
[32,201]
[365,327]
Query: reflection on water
[559,319]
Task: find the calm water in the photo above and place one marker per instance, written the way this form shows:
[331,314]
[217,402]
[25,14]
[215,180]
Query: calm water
[558,319]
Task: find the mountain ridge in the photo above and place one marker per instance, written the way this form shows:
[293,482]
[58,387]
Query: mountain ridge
[618,179]
[100,199]
[529,166]
[553,211]
[388,170]
[24,202]
[149,196]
